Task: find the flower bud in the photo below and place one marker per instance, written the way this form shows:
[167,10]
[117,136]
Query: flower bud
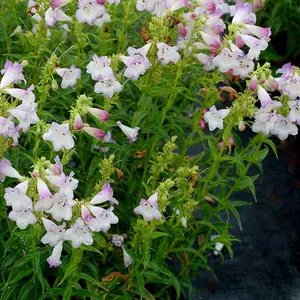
[78,124]
[25,63]
[54,85]
[253,84]
[100,114]
[95,132]
[242,126]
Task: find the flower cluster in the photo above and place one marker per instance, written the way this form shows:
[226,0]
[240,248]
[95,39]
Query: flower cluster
[10,112]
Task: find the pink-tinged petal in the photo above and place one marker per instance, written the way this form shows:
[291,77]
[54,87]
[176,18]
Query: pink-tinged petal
[253,84]
[96,211]
[59,3]
[263,96]
[182,30]
[131,133]
[23,186]
[43,189]
[54,260]
[7,170]
[48,224]
[78,124]
[95,132]
[106,194]
[61,71]
[153,200]
[100,114]
[85,213]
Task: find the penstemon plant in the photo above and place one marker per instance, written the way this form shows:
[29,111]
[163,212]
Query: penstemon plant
[120,141]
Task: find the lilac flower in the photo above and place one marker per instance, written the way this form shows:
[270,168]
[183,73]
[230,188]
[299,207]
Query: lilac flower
[265,100]
[12,73]
[211,40]
[16,197]
[89,11]
[79,234]
[106,194]
[209,5]
[149,208]
[7,170]
[99,66]
[107,85]
[61,208]
[104,217]
[127,258]
[26,114]
[54,233]
[255,45]
[291,86]
[66,184]
[215,117]
[100,114]
[45,201]
[107,139]
[259,32]
[54,260]
[94,132]
[131,133]
[8,129]
[53,15]
[243,14]
[284,127]
[55,169]
[294,114]
[69,76]
[167,54]
[93,223]
[137,62]
[22,218]
[26,96]
[118,240]
[60,136]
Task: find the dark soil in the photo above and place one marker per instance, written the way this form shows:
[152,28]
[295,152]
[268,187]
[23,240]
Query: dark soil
[266,263]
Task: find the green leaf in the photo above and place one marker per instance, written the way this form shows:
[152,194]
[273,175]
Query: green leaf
[156,234]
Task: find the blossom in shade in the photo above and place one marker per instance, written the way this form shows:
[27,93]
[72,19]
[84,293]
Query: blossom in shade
[54,233]
[107,85]
[215,117]
[100,114]
[218,246]
[16,197]
[54,260]
[8,129]
[60,136]
[22,218]
[149,208]
[94,132]
[127,258]
[6,170]
[69,76]
[53,15]
[118,240]
[107,139]
[79,234]
[131,133]
[12,73]
[137,62]
[106,194]
[167,54]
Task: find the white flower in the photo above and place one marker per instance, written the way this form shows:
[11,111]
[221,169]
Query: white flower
[167,54]
[264,122]
[149,208]
[106,194]
[226,60]
[99,66]
[69,76]
[61,208]
[89,11]
[294,114]
[16,197]
[54,259]
[60,136]
[284,127]
[218,246]
[22,218]
[137,62]
[215,117]
[54,15]
[54,232]
[131,133]
[107,85]
[12,73]
[79,234]
[7,170]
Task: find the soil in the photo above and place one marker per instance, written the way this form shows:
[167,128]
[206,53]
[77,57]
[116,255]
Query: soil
[266,263]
